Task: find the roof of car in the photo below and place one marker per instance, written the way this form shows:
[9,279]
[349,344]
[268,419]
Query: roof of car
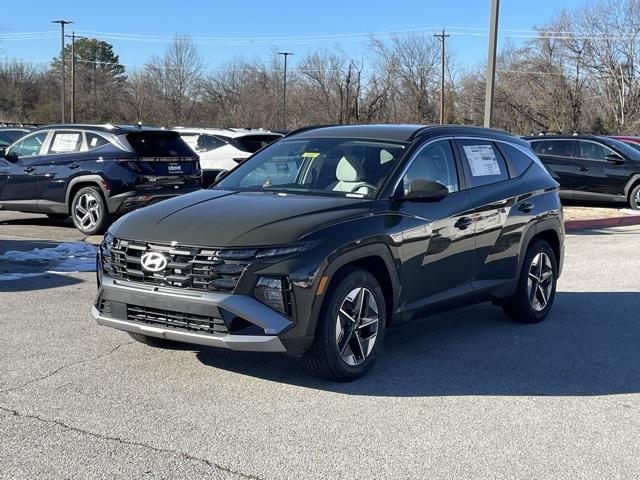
[399,133]
[562,136]
[226,131]
[108,128]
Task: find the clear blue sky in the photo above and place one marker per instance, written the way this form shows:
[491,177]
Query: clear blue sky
[252,19]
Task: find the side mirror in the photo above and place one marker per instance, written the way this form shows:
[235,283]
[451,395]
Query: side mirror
[614,158]
[3,151]
[425,191]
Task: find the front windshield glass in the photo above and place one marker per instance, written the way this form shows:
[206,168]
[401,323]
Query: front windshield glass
[623,148]
[325,166]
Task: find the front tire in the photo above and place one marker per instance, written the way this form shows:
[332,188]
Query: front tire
[350,329]
[634,198]
[89,211]
[536,287]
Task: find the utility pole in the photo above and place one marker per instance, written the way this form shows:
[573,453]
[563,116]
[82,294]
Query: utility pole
[491,62]
[284,90]
[442,36]
[62,24]
[73,76]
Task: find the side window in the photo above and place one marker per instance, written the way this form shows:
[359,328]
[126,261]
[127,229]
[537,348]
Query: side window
[434,162]
[594,151]
[65,141]
[518,159]
[482,162]
[206,143]
[94,140]
[556,148]
[29,146]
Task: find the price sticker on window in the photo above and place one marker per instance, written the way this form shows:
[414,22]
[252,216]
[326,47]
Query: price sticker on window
[482,160]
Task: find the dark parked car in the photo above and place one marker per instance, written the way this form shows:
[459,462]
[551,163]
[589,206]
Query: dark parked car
[322,240]
[13,134]
[591,168]
[629,140]
[93,172]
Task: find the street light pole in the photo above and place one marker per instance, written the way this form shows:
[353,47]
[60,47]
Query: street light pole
[284,90]
[62,24]
[491,63]
[442,36]
[73,77]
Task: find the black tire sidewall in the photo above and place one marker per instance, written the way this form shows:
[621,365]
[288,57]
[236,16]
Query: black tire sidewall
[632,198]
[102,222]
[326,329]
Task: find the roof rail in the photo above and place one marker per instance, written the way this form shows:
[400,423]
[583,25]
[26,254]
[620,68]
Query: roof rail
[475,128]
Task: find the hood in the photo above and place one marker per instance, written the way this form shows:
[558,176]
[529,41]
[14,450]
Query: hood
[220,218]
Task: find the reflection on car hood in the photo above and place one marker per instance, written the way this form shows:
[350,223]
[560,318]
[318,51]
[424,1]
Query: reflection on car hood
[220,218]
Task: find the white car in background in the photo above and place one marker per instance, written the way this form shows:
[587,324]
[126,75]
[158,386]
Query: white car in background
[222,149]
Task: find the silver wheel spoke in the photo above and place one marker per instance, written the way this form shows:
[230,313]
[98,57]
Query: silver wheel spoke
[540,281]
[357,326]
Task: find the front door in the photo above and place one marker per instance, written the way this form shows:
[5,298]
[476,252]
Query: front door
[438,237]
[595,175]
[23,159]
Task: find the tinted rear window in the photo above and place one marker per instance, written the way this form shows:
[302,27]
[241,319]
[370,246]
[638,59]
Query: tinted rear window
[14,135]
[518,160]
[253,143]
[159,144]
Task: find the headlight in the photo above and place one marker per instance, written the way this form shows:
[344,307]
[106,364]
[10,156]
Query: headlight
[271,292]
[281,251]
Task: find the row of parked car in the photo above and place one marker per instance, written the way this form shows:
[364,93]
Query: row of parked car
[96,172]
[93,173]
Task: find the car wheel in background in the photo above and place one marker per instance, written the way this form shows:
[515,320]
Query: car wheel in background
[350,329]
[536,287]
[634,198]
[89,212]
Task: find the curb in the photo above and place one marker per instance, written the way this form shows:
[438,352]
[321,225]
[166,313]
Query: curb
[591,223]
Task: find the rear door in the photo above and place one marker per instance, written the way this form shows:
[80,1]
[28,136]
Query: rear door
[63,159]
[501,208]
[559,156]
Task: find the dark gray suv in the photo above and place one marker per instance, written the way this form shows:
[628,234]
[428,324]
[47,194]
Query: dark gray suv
[322,240]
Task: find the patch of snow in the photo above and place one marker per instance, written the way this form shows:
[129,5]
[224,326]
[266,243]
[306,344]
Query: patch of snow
[64,258]
[629,211]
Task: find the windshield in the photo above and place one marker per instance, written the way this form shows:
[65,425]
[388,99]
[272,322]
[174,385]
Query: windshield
[326,166]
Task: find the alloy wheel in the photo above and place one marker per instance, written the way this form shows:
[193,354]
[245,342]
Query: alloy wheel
[636,199]
[87,211]
[357,326]
[540,281]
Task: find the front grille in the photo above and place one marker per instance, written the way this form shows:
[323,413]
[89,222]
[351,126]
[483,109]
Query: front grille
[187,267]
[170,319]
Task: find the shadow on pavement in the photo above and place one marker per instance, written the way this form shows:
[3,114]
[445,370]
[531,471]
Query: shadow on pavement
[40,282]
[587,346]
[43,221]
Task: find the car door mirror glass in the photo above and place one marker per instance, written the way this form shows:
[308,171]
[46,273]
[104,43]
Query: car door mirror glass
[421,190]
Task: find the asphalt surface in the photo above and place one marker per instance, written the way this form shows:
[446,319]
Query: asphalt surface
[465,394]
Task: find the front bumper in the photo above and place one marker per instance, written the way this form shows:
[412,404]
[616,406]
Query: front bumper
[214,304]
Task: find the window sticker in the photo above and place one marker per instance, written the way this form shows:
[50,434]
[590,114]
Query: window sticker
[65,142]
[310,154]
[482,160]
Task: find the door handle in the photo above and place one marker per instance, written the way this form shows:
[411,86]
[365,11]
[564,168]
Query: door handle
[463,223]
[28,169]
[583,169]
[74,165]
[526,207]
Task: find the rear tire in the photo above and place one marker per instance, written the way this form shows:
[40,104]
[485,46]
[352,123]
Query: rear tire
[153,341]
[536,287]
[89,211]
[350,328]
[634,198]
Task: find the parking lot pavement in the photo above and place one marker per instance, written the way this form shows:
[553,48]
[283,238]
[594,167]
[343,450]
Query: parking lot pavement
[464,394]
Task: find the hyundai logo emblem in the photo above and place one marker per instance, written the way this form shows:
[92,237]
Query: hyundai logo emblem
[153,261]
